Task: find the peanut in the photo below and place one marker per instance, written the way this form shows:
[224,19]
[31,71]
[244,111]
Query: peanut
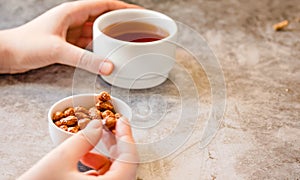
[110,122]
[74,129]
[81,109]
[81,115]
[118,115]
[107,113]
[69,121]
[64,127]
[104,96]
[69,112]
[104,105]
[57,116]
[94,113]
[281,25]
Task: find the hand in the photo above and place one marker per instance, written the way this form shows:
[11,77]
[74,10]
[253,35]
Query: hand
[57,36]
[61,163]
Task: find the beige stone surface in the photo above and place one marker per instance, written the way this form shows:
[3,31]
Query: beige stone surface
[259,135]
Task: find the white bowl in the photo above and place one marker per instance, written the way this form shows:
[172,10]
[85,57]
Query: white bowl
[85,100]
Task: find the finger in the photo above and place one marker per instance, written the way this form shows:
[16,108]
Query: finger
[84,43]
[104,168]
[125,166]
[77,57]
[122,142]
[125,142]
[108,140]
[91,173]
[85,31]
[79,144]
[81,36]
[96,161]
[80,11]
[123,129]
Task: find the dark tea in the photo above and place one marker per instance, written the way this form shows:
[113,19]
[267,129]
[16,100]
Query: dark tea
[135,32]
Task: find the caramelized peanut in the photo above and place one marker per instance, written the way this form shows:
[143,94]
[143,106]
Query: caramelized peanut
[57,116]
[64,127]
[69,112]
[104,105]
[94,113]
[81,109]
[58,123]
[104,96]
[110,122]
[281,25]
[118,115]
[81,115]
[74,129]
[69,121]
[107,113]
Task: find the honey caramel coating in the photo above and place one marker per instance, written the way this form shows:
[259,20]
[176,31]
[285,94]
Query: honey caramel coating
[110,122]
[64,127]
[103,96]
[104,105]
[57,116]
[82,123]
[74,129]
[81,115]
[94,113]
[107,113]
[118,115]
[281,25]
[58,123]
[81,109]
[69,121]
[69,112]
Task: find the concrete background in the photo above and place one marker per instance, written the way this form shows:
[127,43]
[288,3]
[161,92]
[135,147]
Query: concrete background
[259,137]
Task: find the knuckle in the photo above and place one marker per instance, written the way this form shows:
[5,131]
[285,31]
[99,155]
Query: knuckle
[66,5]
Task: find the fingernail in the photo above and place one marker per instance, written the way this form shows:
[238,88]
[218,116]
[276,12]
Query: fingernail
[94,124]
[106,67]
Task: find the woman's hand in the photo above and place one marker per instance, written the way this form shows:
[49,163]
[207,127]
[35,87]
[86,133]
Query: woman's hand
[61,163]
[57,36]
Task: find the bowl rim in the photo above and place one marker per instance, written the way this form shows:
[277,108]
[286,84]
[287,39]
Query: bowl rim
[50,113]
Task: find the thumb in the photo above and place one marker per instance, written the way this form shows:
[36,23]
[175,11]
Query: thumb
[77,57]
[81,143]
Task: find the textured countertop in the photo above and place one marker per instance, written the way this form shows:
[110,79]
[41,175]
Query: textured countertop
[257,138]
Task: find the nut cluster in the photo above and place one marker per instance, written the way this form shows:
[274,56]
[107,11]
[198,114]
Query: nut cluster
[73,119]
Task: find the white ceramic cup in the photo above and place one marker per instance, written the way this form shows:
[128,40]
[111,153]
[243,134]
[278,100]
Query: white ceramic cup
[138,65]
[85,100]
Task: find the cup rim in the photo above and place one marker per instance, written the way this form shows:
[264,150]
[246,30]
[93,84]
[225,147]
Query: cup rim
[166,39]
[50,111]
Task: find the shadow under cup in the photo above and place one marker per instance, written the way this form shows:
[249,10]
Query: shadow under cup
[142,63]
